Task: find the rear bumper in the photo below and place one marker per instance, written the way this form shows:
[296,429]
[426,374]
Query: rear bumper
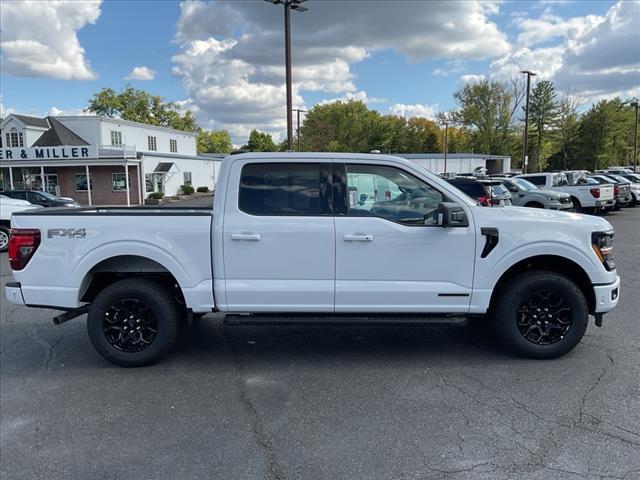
[607,296]
[13,292]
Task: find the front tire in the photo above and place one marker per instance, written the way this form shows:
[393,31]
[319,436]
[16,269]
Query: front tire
[134,322]
[541,314]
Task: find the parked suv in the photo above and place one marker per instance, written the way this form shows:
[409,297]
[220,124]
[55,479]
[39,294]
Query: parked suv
[41,198]
[526,194]
[7,207]
[483,192]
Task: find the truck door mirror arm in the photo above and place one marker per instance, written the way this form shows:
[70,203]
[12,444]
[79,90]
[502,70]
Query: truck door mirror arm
[451,214]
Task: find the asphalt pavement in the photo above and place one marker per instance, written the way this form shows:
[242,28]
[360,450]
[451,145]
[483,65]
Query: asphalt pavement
[283,403]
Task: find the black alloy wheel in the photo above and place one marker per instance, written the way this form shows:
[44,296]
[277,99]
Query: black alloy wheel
[129,325]
[544,317]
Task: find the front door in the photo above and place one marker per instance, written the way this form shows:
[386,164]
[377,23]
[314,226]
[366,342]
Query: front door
[279,249]
[390,254]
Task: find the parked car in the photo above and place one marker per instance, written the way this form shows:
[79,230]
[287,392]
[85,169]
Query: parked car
[633,182]
[621,191]
[39,197]
[7,207]
[288,242]
[526,194]
[500,195]
[586,198]
[481,192]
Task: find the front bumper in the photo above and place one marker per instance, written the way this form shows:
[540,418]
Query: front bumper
[13,291]
[559,206]
[607,296]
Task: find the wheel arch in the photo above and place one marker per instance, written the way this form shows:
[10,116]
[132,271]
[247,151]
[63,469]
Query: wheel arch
[553,263]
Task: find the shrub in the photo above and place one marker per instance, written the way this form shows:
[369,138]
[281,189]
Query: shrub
[156,195]
[202,189]
[187,189]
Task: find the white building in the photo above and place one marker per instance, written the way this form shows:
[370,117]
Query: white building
[57,154]
[460,162]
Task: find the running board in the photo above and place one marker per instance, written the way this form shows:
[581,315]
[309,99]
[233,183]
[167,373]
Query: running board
[304,319]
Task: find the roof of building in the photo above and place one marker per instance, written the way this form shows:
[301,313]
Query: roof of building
[32,121]
[58,134]
[163,167]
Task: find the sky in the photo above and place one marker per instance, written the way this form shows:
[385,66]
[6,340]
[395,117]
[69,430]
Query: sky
[224,60]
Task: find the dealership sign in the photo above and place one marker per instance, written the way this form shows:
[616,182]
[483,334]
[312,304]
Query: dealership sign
[71,152]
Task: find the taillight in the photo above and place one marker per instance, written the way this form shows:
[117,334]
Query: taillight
[23,243]
[595,192]
[616,190]
[484,200]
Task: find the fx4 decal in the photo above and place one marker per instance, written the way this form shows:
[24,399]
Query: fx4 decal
[67,232]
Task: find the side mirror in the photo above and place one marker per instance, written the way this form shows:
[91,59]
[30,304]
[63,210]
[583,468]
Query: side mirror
[452,215]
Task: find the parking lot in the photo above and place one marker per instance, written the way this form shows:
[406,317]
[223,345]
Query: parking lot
[325,402]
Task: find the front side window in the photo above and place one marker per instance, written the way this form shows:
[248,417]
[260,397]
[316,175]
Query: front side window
[80,180]
[392,194]
[152,143]
[277,189]
[116,138]
[118,182]
[538,180]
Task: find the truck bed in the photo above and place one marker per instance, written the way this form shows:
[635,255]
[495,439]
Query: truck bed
[74,243]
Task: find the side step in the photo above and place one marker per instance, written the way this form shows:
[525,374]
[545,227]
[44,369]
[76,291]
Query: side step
[324,319]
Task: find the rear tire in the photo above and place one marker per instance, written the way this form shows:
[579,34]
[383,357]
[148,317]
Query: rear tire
[4,238]
[577,206]
[541,314]
[134,322]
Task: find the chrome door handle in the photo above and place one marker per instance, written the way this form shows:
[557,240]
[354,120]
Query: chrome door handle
[358,238]
[245,236]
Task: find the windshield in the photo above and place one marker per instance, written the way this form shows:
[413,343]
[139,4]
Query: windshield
[524,184]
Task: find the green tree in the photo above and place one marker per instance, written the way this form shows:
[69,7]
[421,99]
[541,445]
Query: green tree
[485,110]
[260,142]
[138,105]
[214,141]
[543,113]
[566,129]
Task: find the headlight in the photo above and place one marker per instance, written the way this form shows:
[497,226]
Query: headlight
[553,199]
[602,244]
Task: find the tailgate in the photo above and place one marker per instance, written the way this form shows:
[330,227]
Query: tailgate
[606,192]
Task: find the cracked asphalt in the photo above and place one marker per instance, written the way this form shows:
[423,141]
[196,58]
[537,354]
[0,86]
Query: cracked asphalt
[281,403]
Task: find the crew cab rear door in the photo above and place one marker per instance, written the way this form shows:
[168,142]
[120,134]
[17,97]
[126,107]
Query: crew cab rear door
[278,237]
[390,254]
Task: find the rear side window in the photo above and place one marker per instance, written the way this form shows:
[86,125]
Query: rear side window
[539,180]
[276,189]
[17,195]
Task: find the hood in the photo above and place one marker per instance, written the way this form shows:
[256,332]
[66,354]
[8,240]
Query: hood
[14,201]
[529,217]
[551,193]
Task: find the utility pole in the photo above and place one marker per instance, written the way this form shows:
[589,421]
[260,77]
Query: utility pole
[446,132]
[298,112]
[288,6]
[635,138]
[525,147]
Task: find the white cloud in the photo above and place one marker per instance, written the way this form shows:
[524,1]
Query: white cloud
[66,112]
[141,73]
[231,56]
[471,78]
[39,39]
[596,58]
[5,111]
[415,110]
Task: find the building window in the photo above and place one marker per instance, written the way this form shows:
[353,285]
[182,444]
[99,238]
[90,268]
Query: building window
[118,182]
[152,143]
[173,146]
[186,177]
[116,138]
[80,181]
[16,139]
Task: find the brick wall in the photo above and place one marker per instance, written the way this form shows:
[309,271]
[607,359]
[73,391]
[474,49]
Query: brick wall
[102,192]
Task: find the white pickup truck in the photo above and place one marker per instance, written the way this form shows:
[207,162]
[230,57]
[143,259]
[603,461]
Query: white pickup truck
[585,197]
[312,238]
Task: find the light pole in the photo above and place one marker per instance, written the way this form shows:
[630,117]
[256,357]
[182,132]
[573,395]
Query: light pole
[298,112]
[446,135]
[288,6]
[525,147]
[635,138]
